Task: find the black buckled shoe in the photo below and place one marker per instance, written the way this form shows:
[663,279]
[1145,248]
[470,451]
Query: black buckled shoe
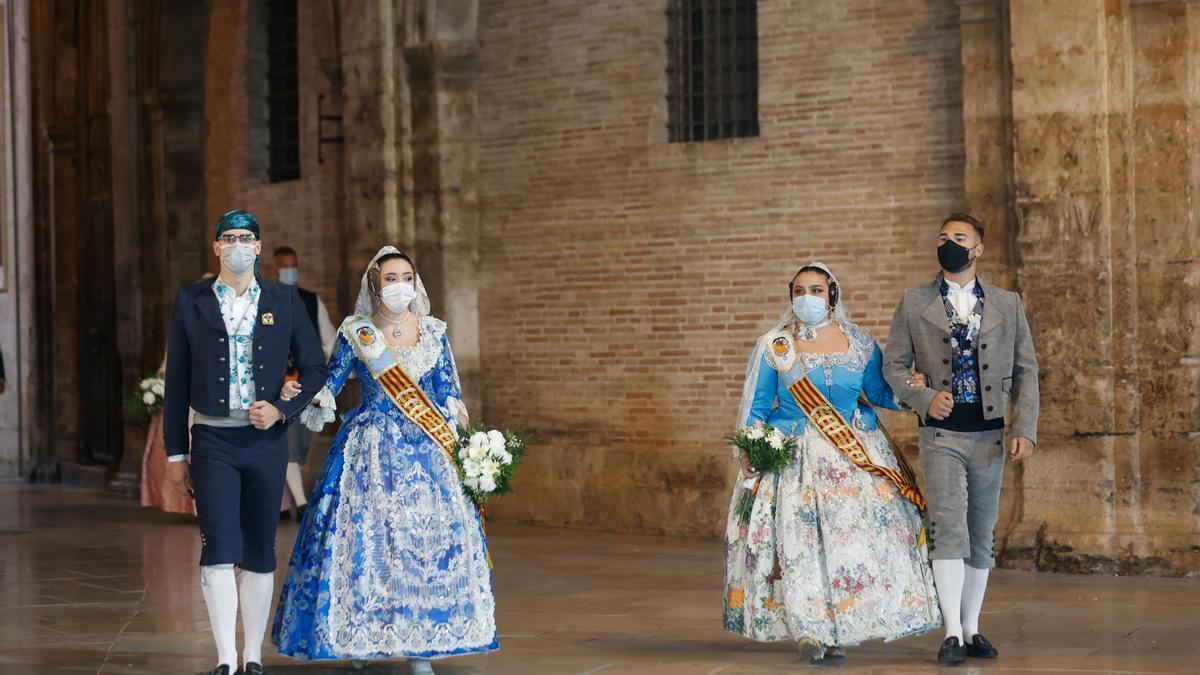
[219,670]
[952,652]
[980,648]
[252,668]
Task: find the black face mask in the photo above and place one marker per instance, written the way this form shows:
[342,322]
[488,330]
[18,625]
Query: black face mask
[954,257]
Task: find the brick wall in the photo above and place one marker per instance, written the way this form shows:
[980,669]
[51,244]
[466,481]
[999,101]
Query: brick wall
[301,213]
[626,278]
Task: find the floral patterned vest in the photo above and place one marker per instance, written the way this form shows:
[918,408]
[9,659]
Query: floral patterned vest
[964,339]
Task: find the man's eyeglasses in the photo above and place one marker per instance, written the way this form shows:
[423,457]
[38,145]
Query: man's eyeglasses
[237,239]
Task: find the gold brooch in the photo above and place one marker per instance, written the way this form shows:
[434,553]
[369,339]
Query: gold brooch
[366,336]
[268,319]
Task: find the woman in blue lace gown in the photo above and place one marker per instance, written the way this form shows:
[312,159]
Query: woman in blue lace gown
[832,554]
[391,559]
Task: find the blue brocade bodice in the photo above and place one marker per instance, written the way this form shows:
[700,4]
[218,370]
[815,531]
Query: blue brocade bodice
[841,377]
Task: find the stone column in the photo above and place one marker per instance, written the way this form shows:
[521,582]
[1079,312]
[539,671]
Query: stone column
[442,65]
[17,334]
[1158,478]
[410,73]
[130,228]
[158,179]
[987,126]
[371,171]
[1081,133]
[174,55]
[1070,116]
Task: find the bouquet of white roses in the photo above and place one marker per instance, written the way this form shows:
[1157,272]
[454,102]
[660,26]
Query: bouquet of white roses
[147,400]
[767,450]
[487,461]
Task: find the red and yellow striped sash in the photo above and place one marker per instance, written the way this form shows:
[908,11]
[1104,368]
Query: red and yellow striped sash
[417,407]
[833,426]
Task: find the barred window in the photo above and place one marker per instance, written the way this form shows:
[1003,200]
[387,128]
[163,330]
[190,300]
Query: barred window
[712,69]
[283,92]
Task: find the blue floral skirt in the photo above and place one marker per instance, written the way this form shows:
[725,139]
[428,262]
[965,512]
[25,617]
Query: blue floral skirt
[391,560]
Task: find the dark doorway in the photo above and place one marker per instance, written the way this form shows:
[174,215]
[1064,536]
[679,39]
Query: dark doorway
[78,368]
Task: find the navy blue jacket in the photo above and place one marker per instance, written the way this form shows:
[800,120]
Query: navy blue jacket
[198,357]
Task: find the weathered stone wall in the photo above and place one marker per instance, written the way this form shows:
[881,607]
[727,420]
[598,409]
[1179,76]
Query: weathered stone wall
[411,174]
[626,278]
[1104,174]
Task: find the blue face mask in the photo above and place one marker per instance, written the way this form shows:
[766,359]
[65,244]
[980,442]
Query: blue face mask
[810,309]
[288,275]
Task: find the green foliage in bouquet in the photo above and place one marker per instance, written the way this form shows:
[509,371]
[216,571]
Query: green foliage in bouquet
[147,400]
[767,450]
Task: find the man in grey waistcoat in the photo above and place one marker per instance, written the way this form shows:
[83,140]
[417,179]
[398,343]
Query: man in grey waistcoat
[972,341]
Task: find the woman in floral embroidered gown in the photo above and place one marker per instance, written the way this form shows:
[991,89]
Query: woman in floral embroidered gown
[391,559]
[832,554]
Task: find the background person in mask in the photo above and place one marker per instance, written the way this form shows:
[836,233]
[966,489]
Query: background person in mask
[227,352]
[832,552]
[973,342]
[287,270]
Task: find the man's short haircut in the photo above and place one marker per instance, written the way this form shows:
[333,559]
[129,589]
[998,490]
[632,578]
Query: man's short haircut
[968,219]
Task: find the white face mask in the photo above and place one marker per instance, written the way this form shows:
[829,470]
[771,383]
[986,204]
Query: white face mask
[288,275]
[397,297]
[237,259]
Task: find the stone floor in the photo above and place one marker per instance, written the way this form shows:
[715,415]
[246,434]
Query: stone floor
[93,584]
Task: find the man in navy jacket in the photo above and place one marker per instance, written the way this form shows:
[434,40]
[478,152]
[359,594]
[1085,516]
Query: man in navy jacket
[227,350]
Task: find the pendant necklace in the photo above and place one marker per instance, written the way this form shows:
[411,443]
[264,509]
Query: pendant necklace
[808,333]
[398,331]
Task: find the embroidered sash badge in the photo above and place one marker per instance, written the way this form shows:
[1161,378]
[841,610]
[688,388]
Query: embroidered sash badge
[781,346]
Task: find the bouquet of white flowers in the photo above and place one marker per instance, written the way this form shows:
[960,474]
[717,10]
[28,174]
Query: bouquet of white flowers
[147,400]
[767,450]
[487,460]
